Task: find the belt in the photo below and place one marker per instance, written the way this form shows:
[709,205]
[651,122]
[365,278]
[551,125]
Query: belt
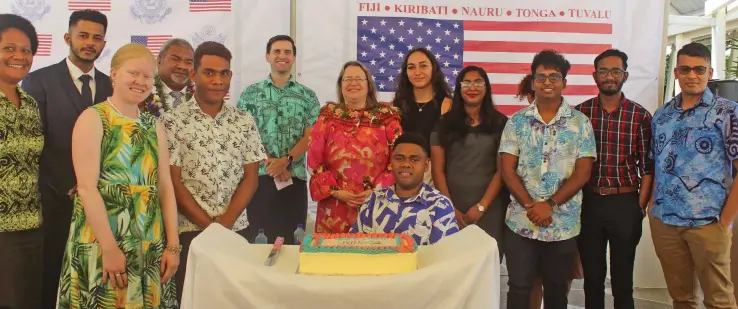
[612,190]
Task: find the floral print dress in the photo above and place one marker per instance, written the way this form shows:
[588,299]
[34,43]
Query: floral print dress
[349,150]
[129,162]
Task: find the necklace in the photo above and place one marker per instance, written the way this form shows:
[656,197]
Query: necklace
[138,112]
[420,108]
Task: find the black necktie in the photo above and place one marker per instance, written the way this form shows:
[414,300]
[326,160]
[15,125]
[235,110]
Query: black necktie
[86,90]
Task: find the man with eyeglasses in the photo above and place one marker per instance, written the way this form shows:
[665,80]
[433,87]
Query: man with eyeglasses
[695,148]
[618,191]
[546,151]
[285,112]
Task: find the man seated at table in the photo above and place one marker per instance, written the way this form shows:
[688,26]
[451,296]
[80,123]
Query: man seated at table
[409,206]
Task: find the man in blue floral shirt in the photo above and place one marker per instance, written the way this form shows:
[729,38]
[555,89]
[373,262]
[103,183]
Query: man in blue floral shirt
[410,206]
[547,150]
[695,148]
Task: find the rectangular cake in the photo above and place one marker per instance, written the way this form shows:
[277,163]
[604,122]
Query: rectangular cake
[358,254]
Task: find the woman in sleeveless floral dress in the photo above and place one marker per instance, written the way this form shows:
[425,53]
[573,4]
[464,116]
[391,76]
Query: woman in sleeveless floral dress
[123,245]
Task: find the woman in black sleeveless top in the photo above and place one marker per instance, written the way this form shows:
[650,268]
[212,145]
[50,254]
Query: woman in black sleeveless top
[422,94]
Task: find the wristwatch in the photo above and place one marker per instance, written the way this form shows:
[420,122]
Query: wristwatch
[480,207]
[290,158]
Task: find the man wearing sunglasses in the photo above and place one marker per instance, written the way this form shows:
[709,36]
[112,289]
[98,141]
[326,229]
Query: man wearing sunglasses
[546,154]
[620,186]
[695,147]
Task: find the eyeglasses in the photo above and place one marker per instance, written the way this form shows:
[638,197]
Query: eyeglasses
[351,80]
[469,84]
[617,73]
[554,78]
[684,70]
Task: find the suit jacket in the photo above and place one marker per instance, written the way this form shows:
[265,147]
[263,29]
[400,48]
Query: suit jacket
[60,103]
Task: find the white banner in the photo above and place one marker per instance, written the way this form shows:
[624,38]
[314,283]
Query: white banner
[500,36]
[244,26]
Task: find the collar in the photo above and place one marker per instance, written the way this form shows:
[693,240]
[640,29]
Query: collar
[194,107]
[707,100]
[391,196]
[564,111]
[623,102]
[270,82]
[76,72]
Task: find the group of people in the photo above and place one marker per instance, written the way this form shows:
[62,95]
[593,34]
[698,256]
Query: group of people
[108,179]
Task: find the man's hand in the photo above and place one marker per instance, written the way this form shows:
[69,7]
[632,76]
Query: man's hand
[226,221]
[473,215]
[725,223]
[540,213]
[460,218]
[274,167]
[284,176]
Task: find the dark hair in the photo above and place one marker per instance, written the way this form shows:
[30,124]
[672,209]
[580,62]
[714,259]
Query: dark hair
[695,49]
[211,48]
[413,138]
[89,15]
[404,94]
[12,21]
[550,59]
[281,37]
[454,125]
[525,88]
[612,53]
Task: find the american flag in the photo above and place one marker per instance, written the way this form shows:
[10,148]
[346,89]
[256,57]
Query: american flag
[153,42]
[210,5]
[44,45]
[98,5]
[504,49]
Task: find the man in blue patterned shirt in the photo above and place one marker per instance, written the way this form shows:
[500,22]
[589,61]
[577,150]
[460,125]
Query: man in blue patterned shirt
[410,206]
[546,152]
[695,147]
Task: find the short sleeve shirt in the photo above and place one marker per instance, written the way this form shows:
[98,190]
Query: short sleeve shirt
[282,115]
[546,155]
[693,150]
[212,153]
[21,141]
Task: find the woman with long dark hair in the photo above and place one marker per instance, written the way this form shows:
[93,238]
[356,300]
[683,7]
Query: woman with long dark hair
[464,154]
[422,94]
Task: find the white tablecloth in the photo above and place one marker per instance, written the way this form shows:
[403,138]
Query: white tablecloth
[224,271]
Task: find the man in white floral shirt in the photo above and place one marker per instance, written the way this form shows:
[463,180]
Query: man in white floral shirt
[215,150]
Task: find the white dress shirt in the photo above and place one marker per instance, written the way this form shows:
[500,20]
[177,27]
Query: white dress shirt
[76,72]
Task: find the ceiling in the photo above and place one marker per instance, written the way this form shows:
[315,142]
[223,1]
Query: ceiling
[687,7]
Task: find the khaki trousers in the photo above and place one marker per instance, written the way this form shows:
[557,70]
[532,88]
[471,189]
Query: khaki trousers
[703,251]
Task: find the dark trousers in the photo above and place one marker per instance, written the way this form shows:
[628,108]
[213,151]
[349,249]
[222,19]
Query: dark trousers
[185,239]
[21,269]
[526,258]
[57,214]
[615,219]
[278,212]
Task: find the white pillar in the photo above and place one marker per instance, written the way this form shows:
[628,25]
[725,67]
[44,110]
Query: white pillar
[718,45]
[679,42]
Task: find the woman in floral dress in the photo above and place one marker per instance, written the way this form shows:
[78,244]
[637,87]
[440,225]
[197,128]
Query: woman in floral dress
[349,151]
[123,245]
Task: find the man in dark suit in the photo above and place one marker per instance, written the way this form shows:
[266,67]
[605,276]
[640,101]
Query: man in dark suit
[63,91]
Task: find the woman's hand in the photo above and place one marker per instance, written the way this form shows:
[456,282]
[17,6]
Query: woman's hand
[114,268]
[352,200]
[169,265]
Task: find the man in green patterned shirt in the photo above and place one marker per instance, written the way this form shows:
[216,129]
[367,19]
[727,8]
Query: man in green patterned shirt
[285,112]
[21,141]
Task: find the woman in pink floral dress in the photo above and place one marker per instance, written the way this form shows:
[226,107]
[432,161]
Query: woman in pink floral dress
[350,148]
